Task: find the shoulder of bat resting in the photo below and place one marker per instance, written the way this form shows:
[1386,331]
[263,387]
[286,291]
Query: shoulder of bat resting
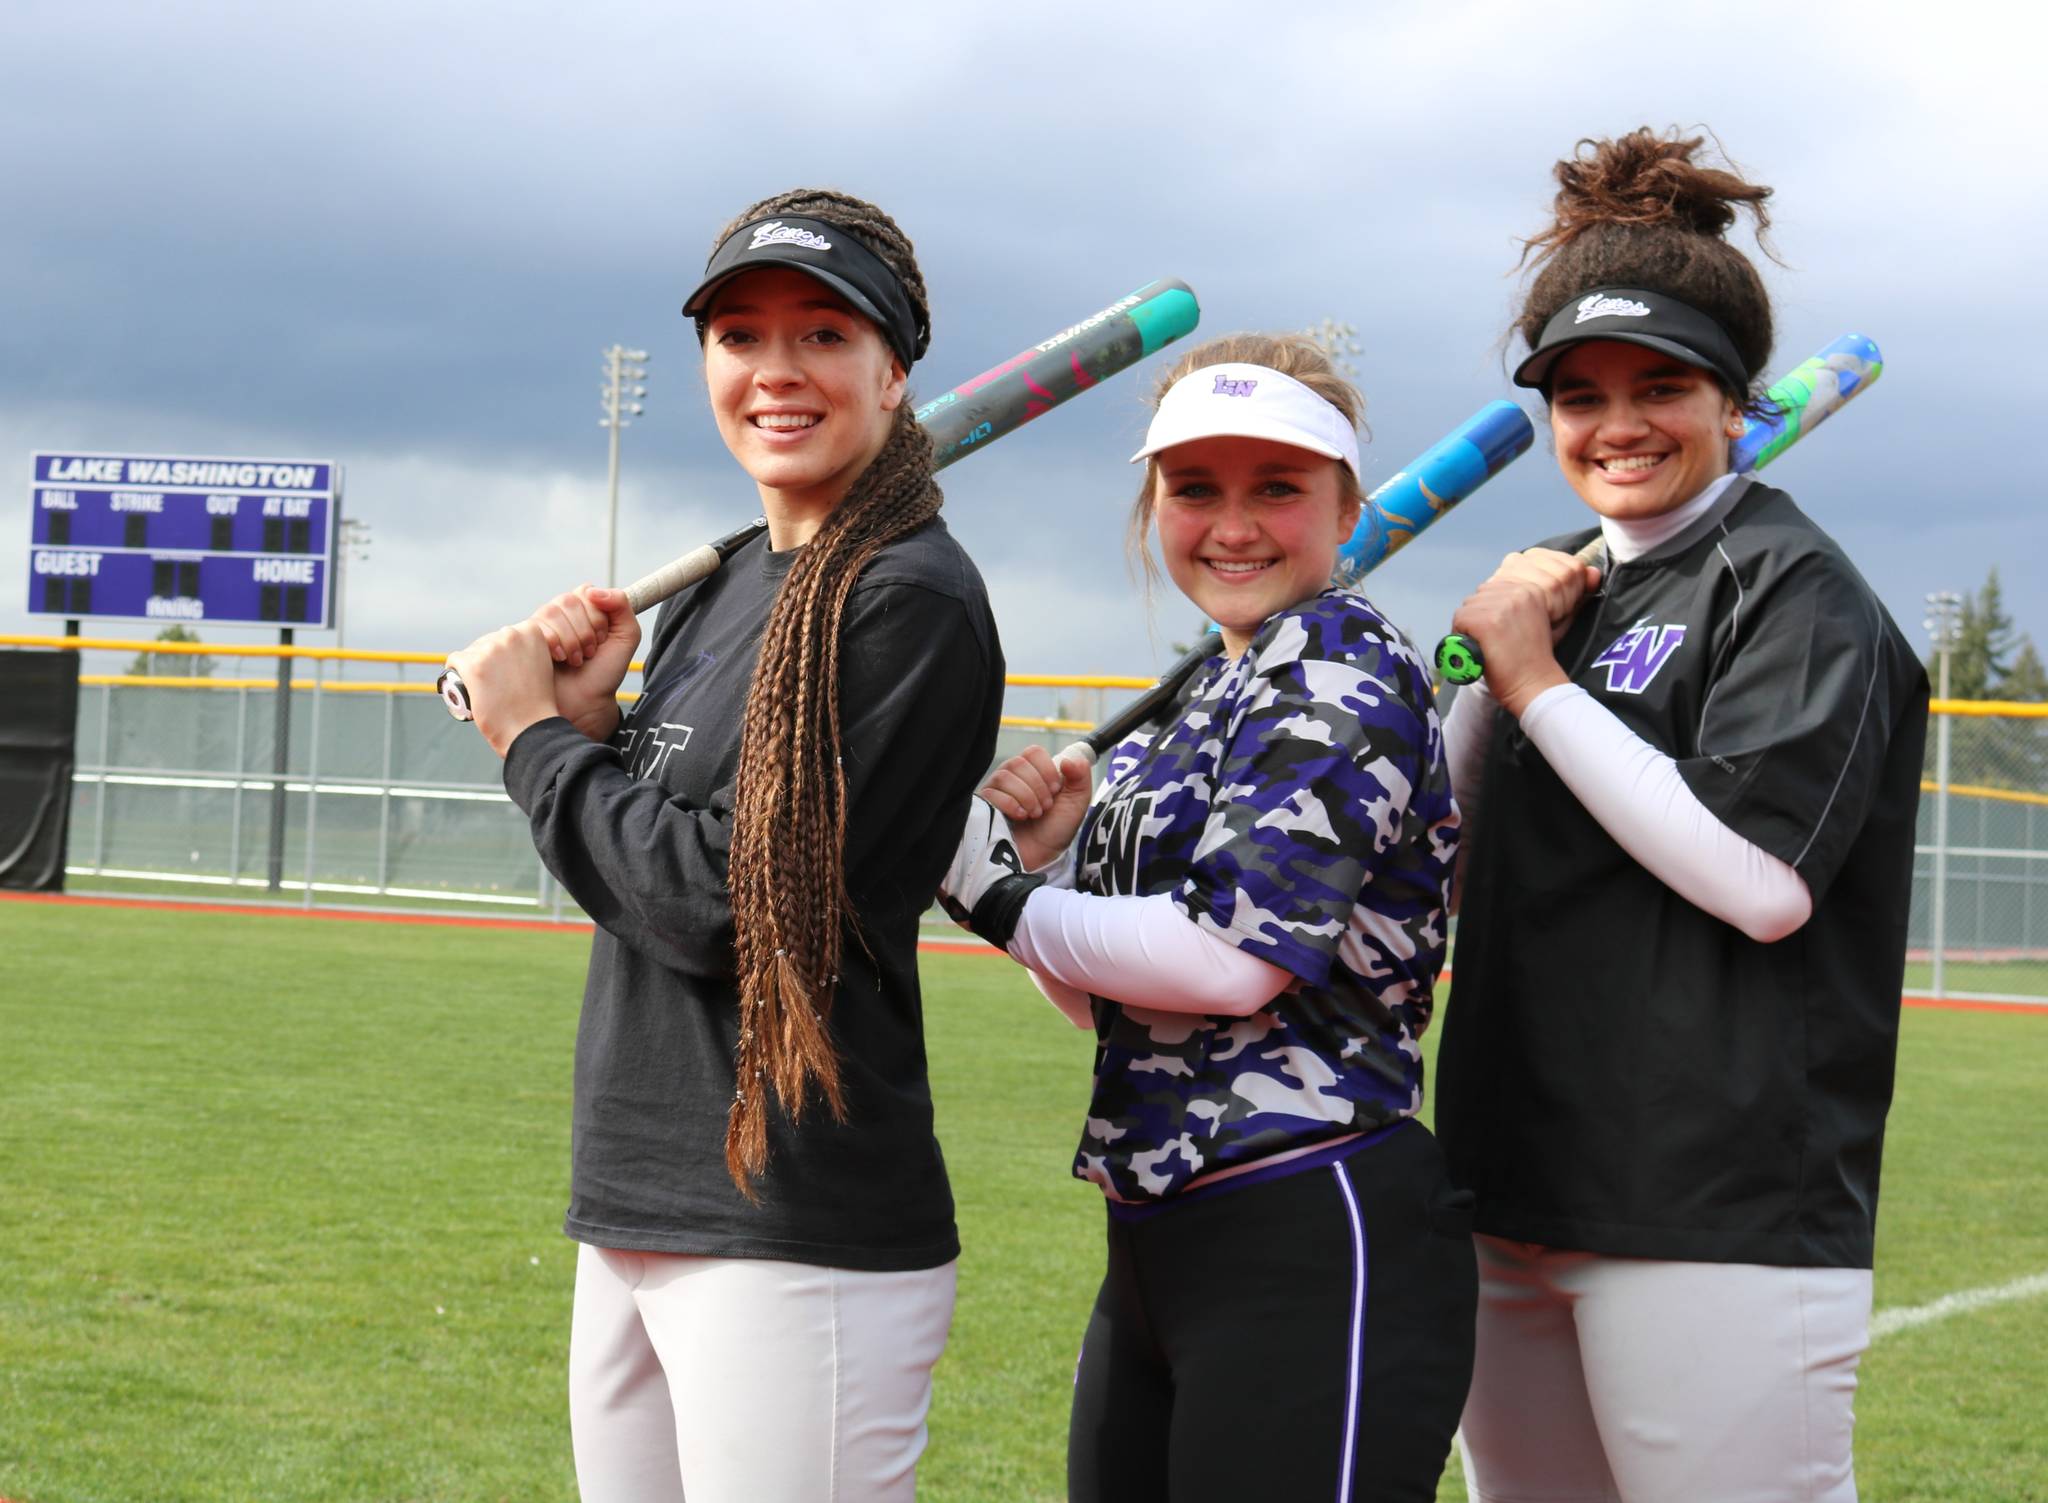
[1766,529]
[1338,626]
[738,576]
[930,559]
[925,584]
[1569,542]
[1780,554]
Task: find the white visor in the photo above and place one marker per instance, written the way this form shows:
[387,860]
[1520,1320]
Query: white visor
[1249,401]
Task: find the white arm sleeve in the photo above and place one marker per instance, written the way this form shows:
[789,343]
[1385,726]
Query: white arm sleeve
[1070,1000]
[1141,951]
[1466,730]
[1639,797]
[1059,872]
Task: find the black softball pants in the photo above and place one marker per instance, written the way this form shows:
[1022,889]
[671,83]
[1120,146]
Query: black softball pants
[1303,1333]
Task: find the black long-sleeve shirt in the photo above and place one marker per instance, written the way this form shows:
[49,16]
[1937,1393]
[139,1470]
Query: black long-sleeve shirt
[639,830]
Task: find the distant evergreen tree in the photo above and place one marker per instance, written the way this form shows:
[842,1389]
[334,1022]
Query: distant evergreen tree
[171,664]
[2026,680]
[1984,643]
[1992,659]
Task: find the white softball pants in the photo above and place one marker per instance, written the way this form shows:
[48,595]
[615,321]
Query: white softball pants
[1630,1380]
[742,1380]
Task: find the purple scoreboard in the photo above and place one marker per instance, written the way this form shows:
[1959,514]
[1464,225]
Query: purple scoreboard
[169,537]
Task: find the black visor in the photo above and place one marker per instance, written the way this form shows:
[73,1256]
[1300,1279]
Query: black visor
[1634,316]
[834,257]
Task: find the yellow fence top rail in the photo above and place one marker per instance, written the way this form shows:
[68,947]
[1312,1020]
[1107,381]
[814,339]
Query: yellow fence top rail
[1999,708]
[430,659]
[368,686]
[1978,790]
[186,681]
[1077,681]
[223,649]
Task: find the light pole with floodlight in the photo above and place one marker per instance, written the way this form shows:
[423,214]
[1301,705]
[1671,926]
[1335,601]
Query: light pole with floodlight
[623,369]
[351,546]
[1944,625]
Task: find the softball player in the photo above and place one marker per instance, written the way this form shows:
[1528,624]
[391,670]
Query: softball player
[1251,917]
[1689,786]
[767,1269]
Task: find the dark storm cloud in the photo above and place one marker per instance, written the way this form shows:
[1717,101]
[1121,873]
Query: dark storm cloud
[400,235]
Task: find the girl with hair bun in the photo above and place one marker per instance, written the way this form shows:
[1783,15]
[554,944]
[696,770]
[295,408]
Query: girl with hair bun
[1689,783]
[767,1264]
[1250,915]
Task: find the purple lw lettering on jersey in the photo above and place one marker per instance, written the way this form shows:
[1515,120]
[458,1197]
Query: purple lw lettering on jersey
[1634,657]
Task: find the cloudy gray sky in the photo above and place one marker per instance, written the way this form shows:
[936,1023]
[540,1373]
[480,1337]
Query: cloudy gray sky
[399,235]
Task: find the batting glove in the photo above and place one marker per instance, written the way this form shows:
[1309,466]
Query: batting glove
[985,887]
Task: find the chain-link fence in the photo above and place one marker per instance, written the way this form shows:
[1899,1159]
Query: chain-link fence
[385,801]
[381,799]
[389,802]
[1980,875]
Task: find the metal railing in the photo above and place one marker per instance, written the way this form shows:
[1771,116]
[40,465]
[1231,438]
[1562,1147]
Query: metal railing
[387,801]
[1980,881]
[384,800]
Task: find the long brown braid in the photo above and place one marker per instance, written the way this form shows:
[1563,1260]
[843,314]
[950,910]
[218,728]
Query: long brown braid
[788,866]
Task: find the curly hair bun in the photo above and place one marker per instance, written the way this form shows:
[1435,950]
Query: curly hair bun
[1645,210]
[1644,178]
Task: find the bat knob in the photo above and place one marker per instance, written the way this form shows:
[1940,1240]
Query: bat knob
[454,694]
[1080,752]
[1459,660]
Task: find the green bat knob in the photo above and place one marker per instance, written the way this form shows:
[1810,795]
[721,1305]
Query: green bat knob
[1459,660]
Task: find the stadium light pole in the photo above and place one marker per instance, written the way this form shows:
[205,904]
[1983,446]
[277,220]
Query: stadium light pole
[623,369]
[351,546]
[1944,621]
[1338,340]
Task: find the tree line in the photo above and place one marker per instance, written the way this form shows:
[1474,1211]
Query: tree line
[1993,659]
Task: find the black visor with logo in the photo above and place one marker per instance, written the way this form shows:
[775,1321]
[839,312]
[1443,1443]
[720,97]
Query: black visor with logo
[1634,316]
[834,257]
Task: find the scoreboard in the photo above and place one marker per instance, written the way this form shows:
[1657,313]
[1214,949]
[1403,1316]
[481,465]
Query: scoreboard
[165,537]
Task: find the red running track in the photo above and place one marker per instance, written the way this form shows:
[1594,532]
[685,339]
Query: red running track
[347,916]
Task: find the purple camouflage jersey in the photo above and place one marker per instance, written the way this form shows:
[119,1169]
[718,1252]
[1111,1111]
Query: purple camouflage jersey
[1300,809]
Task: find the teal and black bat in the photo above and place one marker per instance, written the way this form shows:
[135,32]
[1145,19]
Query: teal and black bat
[1033,382]
[1796,403]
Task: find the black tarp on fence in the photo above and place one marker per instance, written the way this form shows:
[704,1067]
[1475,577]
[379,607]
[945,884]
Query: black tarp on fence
[38,733]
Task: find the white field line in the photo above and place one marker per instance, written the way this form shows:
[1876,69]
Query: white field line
[1904,1318]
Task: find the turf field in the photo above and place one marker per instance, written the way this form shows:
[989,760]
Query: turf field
[280,1197]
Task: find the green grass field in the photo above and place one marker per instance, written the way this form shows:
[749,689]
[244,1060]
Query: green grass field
[280,1199]
[2023,976]
[1964,976]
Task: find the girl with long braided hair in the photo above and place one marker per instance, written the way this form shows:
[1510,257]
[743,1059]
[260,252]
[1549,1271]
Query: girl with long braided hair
[766,1275]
